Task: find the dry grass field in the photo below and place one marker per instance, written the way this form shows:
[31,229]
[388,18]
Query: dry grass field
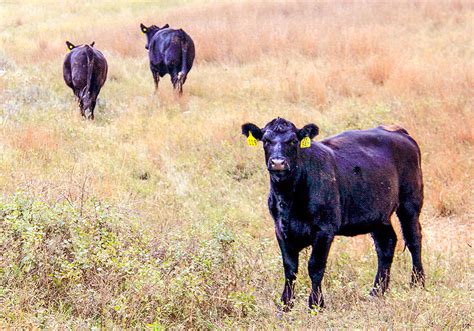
[154,215]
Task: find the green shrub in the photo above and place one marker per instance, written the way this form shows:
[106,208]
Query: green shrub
[95,262]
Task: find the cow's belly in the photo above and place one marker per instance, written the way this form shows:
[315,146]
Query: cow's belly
[363,226]
[364,210]
[369,191]
[160,68]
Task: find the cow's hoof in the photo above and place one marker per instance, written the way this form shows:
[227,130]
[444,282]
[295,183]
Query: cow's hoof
[417,280]
[316,302]
[279,314]
[285,308]
[376,293]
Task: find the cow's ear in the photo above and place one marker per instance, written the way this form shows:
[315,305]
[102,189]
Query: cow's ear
[143,28]
[70,45]
[92,44]
[309,130]
[166,26]
[255,130]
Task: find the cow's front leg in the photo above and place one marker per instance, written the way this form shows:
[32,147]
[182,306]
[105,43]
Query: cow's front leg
[316,267]
[290,264]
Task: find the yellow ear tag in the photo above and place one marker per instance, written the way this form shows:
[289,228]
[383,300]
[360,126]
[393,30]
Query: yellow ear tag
[305,142]
[71,47]
[144,30]
[251,141]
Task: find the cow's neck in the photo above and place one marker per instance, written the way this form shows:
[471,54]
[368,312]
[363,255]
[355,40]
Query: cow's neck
[284,196]
[286,188]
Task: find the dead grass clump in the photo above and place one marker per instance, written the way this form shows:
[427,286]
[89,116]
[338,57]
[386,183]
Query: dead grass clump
[408,79]
[361,43]
[438,78]
[34,139]
[47,50]
[347,81]
[380,68]
[289,87]
[315,88]
[126,41]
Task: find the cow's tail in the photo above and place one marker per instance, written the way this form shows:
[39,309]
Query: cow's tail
[184,61]
[86,93]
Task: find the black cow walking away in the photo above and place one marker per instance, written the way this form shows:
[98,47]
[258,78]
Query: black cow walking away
[85,72]
[348,184]
[170,52]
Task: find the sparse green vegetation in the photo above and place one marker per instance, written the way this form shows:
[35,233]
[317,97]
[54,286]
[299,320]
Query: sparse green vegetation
[154,215]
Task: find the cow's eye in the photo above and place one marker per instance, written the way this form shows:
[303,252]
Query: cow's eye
[294,142]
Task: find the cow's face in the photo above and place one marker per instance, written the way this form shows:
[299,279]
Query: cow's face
[150,31]
[282,143]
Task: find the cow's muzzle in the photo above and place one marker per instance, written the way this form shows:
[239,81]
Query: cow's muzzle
[278,164]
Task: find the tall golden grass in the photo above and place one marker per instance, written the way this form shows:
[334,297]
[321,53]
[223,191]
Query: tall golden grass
[182,168]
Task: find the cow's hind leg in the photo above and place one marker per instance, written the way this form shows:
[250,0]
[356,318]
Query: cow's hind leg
[81,108]
[317,266]
[408,212]
[385,240]
[176,79]
[91,110]
[156,79]
[180,81]
[91,102]
[290,265]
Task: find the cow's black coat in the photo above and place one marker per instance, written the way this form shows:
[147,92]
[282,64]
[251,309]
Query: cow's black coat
[348,184]
[171,52]
[85,72]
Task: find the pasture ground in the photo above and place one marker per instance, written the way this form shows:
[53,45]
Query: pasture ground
[154,215]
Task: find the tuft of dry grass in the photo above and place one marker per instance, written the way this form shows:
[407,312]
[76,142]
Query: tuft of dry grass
[380,68]
[33,139]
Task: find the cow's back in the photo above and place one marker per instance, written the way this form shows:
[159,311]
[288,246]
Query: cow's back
[76,67]
[167,45]
[79,66]
[373,166]
[380,145]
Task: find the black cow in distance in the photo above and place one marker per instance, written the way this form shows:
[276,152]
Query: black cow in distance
[85,72]
[171,52]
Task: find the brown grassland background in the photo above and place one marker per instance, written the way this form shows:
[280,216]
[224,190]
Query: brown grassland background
[154,215]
